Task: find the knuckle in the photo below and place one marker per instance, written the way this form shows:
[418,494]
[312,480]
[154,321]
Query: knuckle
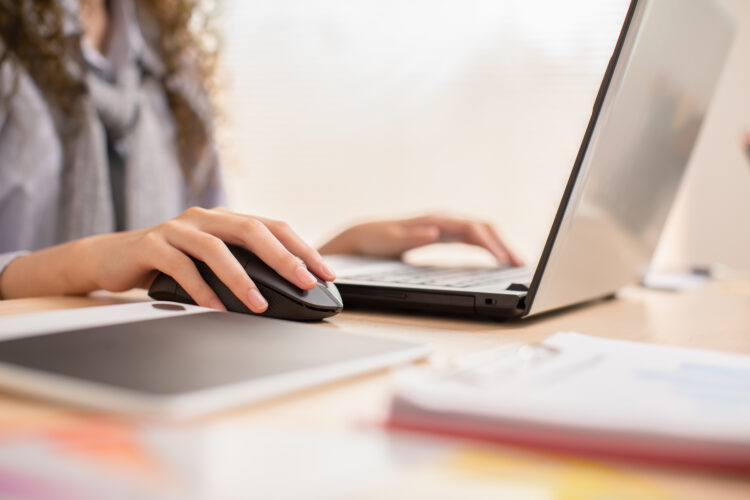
[211,244]
[151,239]
[252,226]
[290,261]
[475,235]
[396,232]
[170,226]
[309,253]
[194,212]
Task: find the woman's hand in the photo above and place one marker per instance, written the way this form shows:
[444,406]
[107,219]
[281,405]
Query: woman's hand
[121,261]
[393,238]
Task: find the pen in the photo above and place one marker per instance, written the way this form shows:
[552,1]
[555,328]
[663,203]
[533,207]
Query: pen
[747,145]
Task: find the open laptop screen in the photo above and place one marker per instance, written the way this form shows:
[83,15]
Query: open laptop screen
[645,123]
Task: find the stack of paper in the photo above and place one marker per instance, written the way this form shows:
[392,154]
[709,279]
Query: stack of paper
[590,395]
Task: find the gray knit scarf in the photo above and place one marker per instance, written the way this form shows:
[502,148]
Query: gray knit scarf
[125,144]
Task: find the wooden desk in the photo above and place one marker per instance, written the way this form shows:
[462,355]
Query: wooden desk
[716,317]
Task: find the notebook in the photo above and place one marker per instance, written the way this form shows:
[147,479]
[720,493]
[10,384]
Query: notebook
[593,396]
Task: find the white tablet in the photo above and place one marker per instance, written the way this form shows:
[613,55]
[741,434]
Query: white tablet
[179,361]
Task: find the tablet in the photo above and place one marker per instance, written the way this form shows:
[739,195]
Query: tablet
[179,361]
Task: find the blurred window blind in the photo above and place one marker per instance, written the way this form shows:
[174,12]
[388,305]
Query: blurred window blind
[337,110]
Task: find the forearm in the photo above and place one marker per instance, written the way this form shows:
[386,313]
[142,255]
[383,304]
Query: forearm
[59,270]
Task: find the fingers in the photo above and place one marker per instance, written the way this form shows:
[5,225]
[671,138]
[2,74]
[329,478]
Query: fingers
[253,234]
[300,248]
[291,241]
[478,234]
[472,232]
[513,258]
[216,255]
[204,234]
[176,264]
[393,238]
[416,236]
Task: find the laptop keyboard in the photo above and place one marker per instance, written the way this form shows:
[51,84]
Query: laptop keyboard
[454,278]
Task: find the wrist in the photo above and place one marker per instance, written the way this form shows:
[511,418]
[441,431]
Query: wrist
[82,275]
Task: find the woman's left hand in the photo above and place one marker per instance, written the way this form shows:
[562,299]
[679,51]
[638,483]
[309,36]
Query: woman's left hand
[394,237]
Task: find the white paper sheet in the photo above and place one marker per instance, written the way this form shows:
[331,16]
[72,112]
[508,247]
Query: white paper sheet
[574,380]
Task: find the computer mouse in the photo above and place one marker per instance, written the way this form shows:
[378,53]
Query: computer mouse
[285,300]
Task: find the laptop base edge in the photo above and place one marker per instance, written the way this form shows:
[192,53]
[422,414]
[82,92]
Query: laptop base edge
[499,306]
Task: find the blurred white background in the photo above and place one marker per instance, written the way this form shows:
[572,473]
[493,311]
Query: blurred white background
[335,111]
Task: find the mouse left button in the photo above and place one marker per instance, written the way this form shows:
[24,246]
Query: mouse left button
[182,296]
[240,253]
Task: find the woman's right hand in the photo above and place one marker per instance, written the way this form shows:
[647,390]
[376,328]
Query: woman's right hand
[121,261]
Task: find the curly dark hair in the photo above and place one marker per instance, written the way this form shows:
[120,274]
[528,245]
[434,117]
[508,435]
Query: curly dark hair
[33,37]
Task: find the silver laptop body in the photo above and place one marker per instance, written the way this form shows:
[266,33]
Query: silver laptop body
[645,121]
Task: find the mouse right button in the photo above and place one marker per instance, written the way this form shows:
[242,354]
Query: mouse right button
[331,289]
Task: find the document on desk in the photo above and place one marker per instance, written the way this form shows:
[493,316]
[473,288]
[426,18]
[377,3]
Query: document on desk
[593,396]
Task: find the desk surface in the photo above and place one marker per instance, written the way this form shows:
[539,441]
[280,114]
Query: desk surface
[326,428]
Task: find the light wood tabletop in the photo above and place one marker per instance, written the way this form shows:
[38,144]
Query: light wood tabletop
[715,317]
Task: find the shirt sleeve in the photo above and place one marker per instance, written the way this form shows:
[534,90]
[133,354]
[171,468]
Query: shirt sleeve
[5,81]
[7,258]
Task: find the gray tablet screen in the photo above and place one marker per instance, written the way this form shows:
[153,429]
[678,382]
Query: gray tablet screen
[187,353]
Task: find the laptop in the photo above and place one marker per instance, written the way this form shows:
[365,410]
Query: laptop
[647,116]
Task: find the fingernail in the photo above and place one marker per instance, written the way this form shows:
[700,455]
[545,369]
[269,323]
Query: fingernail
[328,271]
[257,300]
[305,277]
[216,304]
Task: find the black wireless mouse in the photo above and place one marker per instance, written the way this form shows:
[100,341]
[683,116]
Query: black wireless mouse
[285,300]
